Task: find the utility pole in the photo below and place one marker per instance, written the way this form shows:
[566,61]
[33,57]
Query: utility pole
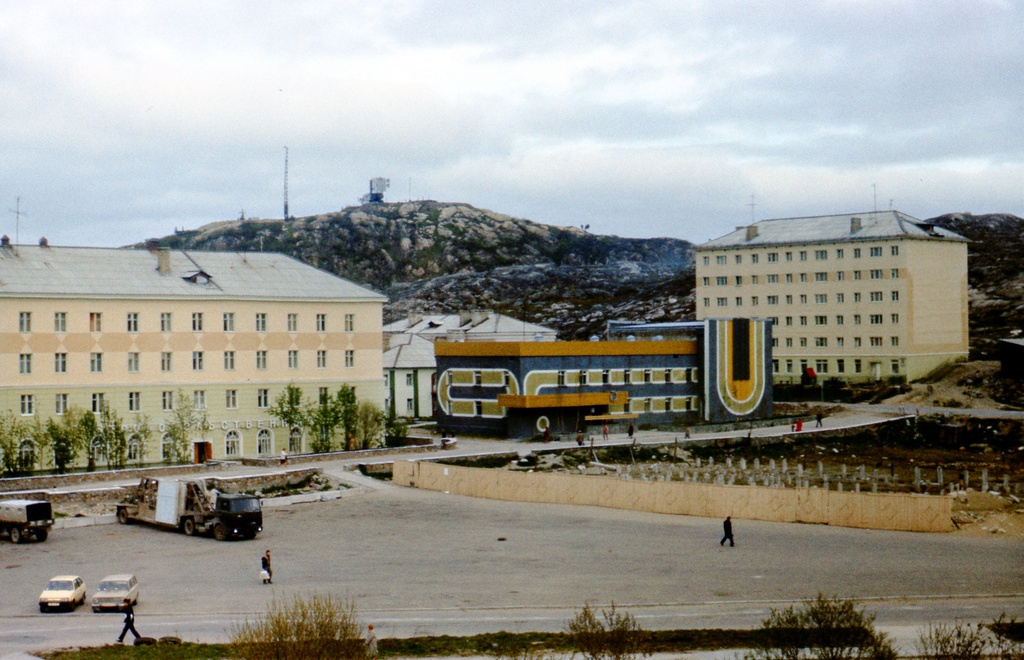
[285,184]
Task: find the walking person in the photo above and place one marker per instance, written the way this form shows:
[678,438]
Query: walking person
[267,573]
[630,431]
[604,432]
[727,528]
[129,621]
[284,456]
[371,642]
[817,420]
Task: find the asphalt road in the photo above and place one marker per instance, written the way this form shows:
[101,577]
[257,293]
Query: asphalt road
[417,562]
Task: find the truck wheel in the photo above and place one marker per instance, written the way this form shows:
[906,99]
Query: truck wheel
[41,535]
[188,526]
[15,535]
[122,516]
[220,532]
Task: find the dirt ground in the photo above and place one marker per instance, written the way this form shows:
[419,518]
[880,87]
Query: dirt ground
[963,386]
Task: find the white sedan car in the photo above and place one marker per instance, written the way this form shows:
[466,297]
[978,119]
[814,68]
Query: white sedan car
[113,590]
[63,591]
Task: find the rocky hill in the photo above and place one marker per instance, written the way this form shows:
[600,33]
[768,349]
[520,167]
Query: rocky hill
[433,256]
[447,257]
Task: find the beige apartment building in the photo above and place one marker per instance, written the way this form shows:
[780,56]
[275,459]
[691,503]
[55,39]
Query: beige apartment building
[859,297]
[131,329]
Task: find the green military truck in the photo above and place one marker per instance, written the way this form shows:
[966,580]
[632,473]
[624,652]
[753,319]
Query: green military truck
[25,519]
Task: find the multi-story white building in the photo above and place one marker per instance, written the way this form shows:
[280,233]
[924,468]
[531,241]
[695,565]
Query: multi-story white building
[130,329]
[858,297]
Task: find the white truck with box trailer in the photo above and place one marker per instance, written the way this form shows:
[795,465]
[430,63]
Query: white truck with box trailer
[24,519]
[190,506]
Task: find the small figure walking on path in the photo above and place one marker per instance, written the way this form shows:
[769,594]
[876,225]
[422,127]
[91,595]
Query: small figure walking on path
[284,456]
[267,573]
[817,420]
[129,621]
[727,528]
[630,431]
[371,642]
[687,433]
[604,432]
[579,438]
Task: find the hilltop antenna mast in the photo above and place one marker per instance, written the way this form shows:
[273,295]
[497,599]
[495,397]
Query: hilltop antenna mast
[752,205]
[17,221]
[286,184]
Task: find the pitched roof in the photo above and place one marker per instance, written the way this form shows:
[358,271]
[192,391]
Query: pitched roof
[81,272]
[409,352]
[872,225]
[479,326]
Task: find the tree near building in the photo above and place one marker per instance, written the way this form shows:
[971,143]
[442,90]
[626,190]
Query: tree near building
[67,437]
[182,423]
[346,397]
[13,432]
[369,425]
[324,417]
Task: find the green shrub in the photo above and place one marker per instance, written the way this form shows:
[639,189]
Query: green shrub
[302,629]
[612,636]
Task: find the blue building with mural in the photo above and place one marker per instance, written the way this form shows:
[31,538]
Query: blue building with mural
[717,370]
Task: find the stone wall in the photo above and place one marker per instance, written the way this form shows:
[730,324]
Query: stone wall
[808,505]
[61,480]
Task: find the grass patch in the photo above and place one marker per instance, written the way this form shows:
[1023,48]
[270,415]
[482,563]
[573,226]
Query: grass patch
[185,651]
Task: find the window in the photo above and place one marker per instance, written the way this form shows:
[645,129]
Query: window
[134,401]
[876,341]
[773,257]
[165,361]
[789,366]
[133,363]
[821,319]
[706,262]
[60,404]
[262,398]
[739,259]
[840,297]
[739,301]
[721,280]
[321,323]
[197,321]
[132,322]
[773,279]
[856,366]
[478,407]
[561,378]
[775,366]
[261,322]
[856,344]
[803,298]
[627,376]
[96,362]
[856,253]
[803,342]
[232,443]
[840,253]
[753,300]
[841,366]
[199,399]
[706,281]
[350,358]
[231,399]
[410,406]
[821,366]
[739,280]
[707,302]
[840,276]
[264,444]
[840,342]
[197,360]
[165,321]
[789,320]
[789,342]
[60,321]
[229,360]
[167,400]
[321,359]
[895,296]
[876,251]
[261,359]
[98,402]
[229,321]
[720,260]
[293,359]
[894,366]
[753,279]
[894,318]
[856,319]
[821,342]
[803,320]
[95,322]
[875,319]
[894,273]
[28,404]
[293,323]
[821,277]
[803,277]
[410,379]
[167,447]
[821,255]
[803,255]
[839,319]
[894,250]
[789,278]
[722,302]
[894,341]
[25,363]
[24,321]
[876,296]
[754,258]
[876,273]
[647,375]
[820,298]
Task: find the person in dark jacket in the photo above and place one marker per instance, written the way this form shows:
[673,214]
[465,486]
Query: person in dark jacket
[265,563]
[727,528]
[129,621]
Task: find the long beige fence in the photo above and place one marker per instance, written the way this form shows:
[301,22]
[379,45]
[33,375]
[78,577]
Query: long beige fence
[914,513]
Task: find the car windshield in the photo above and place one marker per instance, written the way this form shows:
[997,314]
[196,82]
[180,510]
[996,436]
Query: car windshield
[113,586]
[243,505]
[60,585]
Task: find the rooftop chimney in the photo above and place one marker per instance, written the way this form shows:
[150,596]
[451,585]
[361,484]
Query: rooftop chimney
[152,245]
[43,242]
[751,232]
[854,225]
[5,240]
[163,261]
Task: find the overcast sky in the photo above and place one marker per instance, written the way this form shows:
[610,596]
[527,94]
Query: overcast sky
[123,120]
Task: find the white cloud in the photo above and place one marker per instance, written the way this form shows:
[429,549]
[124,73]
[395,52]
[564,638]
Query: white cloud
[638,118]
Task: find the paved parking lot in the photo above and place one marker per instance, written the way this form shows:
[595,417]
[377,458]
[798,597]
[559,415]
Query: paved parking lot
[419,562]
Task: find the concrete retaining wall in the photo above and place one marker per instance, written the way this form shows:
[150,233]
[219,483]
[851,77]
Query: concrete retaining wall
[915,513]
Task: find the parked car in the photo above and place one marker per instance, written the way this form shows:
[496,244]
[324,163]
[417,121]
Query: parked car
[63,591]
[113,590]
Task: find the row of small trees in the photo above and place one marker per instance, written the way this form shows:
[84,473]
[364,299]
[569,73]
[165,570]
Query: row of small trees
[361,424]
